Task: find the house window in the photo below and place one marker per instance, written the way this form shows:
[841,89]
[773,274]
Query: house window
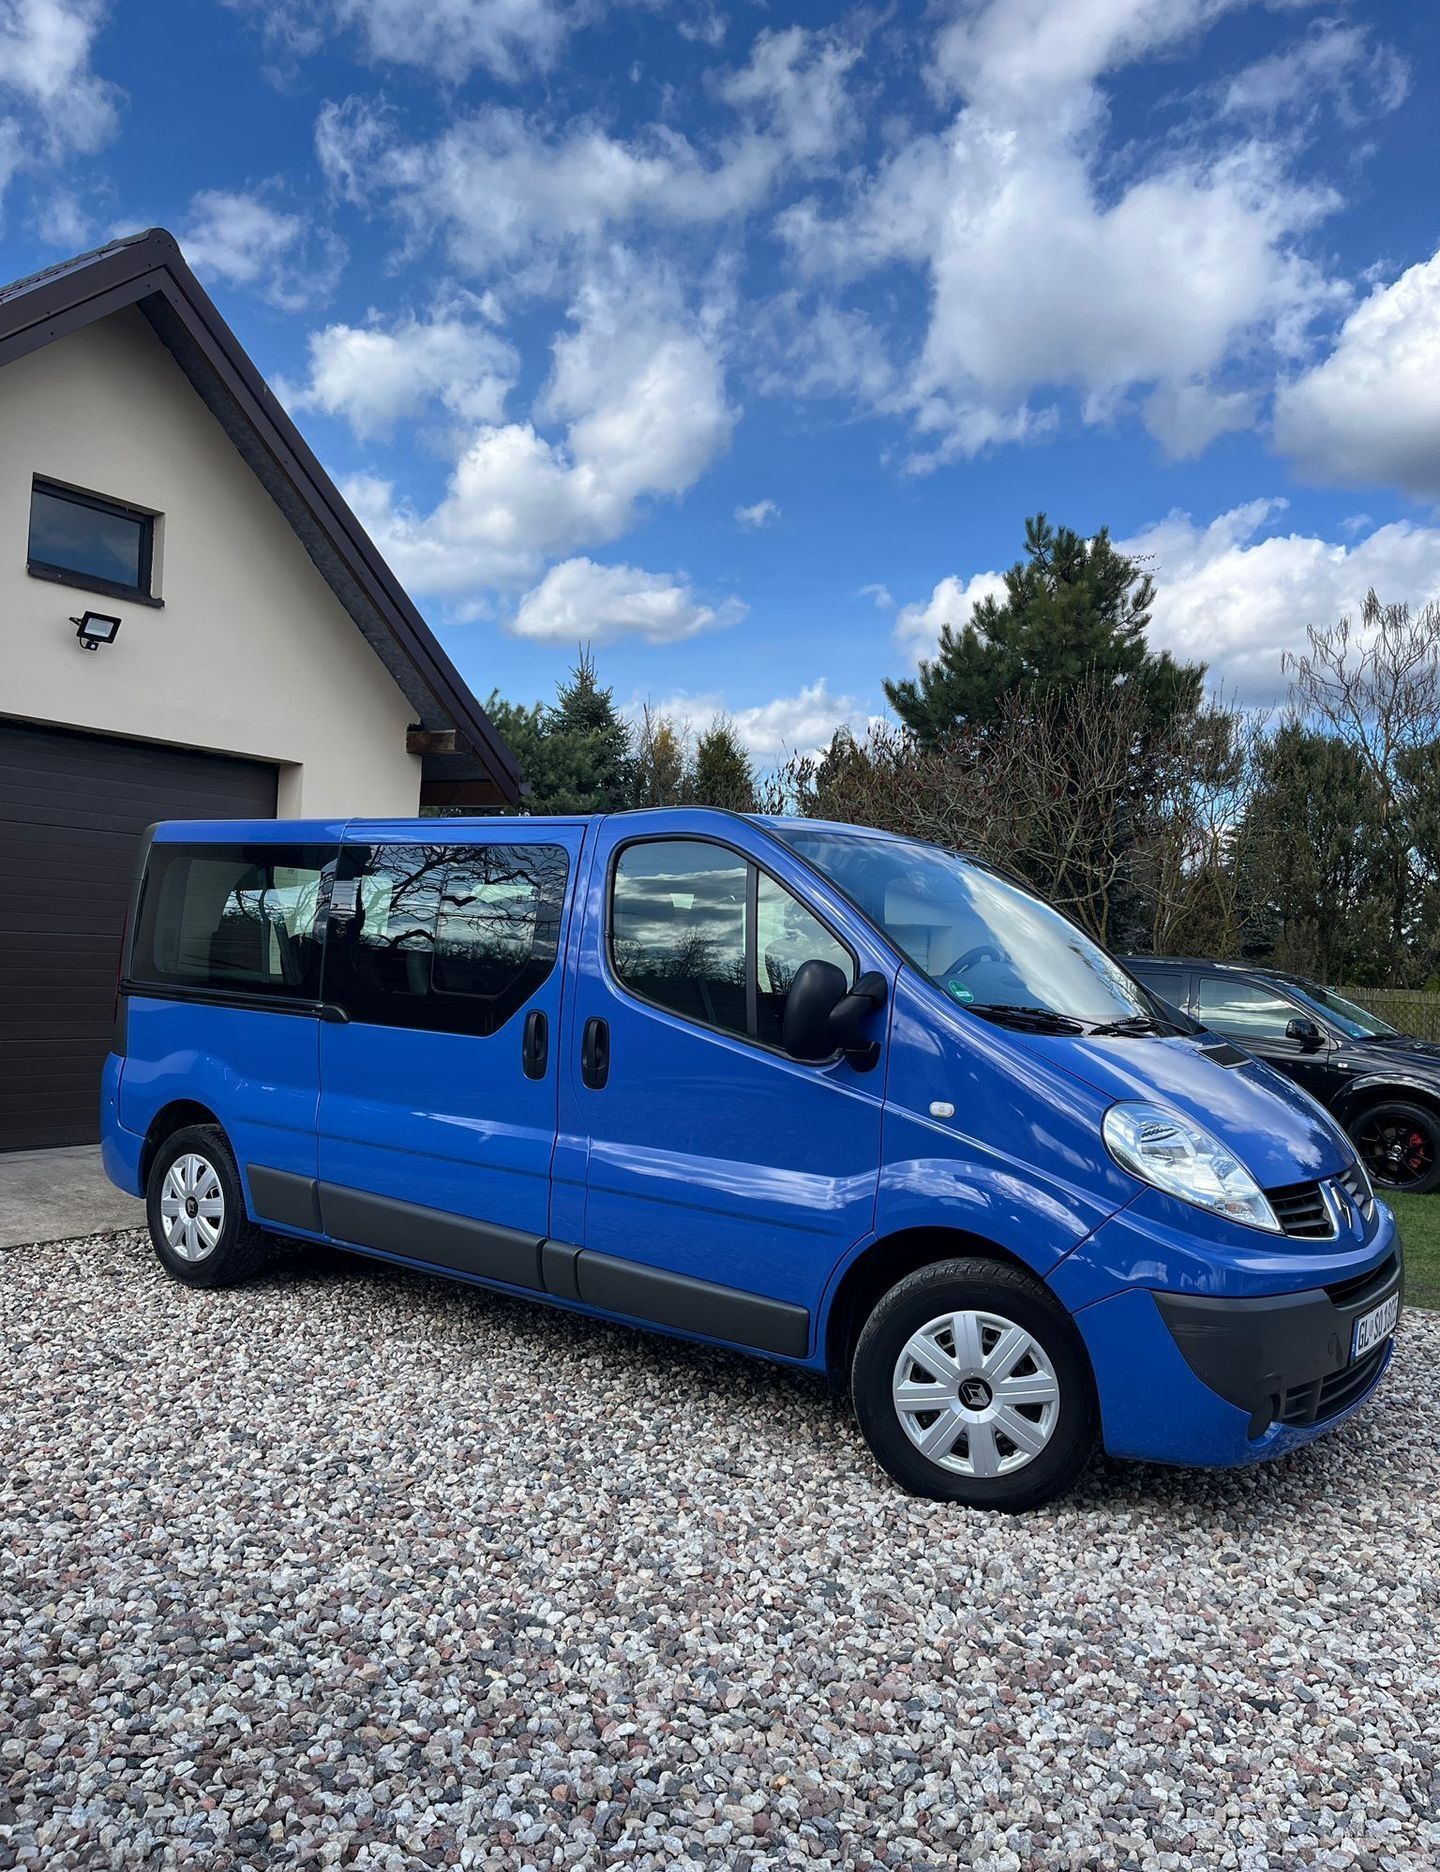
[83,539]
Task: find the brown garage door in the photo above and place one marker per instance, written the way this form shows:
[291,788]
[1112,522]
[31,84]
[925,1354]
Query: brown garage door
[72,810]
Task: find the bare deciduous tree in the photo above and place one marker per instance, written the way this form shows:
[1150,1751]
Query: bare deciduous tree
[1375,686]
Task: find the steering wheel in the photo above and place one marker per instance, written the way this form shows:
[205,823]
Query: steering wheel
[982,952]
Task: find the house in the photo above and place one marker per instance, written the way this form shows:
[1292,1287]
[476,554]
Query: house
[193,624]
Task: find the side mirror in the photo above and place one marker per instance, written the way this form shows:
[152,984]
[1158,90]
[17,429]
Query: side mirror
[816,991]
[1305,1031]
[823,1016]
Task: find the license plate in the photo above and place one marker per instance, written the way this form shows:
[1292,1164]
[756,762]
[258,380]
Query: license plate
[1373,1327]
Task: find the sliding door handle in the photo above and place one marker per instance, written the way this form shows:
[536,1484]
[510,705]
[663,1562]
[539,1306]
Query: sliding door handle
[535,1048]
[595,1053]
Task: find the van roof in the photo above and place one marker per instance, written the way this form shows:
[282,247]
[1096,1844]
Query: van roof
[328,831]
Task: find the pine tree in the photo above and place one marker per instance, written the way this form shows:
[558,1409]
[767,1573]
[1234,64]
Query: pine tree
[586,748]
[1072,608]
[723,775]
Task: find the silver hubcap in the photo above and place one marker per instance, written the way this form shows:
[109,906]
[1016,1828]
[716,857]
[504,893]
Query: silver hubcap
[192,1207]
[976,1394]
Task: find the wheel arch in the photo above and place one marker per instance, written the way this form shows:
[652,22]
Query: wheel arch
[1364,1094]
[167,1121]
[878,1267]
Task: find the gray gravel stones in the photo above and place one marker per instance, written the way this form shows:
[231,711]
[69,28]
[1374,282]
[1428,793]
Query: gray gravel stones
[353,1568]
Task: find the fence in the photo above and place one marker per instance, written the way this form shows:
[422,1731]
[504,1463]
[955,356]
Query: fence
[1413,1010]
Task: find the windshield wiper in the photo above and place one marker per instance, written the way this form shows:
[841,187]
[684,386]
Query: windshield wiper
[1137,1024]
[1034,1019]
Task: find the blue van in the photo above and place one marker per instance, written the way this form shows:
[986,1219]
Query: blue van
[847,1101]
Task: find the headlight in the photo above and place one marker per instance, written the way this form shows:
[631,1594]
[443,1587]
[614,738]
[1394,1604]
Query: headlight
[1162,1148]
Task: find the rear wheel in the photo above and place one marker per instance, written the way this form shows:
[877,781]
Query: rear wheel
[196,1211]
[1400,1146]
[971,1385]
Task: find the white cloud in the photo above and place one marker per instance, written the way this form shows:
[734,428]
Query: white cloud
[243,240]
[1333,62]
[448,38]
[579,601]
[1228,597]
[375,374]
[1050,265]
[1370,412]
[1185,418]
[795,88]
[918,626]
[768,731]
[881,595]
[52,105]
[1028,51]
[759,515]
[637,385]
[504,191]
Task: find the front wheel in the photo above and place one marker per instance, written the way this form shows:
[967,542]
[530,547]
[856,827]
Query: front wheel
[971,1385]
[1400,1145]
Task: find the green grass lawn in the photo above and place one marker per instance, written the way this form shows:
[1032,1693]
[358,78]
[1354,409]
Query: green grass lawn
[1419,1219]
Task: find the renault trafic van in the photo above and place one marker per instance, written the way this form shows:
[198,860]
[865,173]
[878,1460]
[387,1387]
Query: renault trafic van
[850,1102]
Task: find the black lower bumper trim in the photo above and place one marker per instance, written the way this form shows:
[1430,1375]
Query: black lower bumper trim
[1281,1356]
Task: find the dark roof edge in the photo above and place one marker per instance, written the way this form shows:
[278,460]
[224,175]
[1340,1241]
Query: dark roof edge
[63,298]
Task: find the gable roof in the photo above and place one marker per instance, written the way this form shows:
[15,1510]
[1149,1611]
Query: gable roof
[462,753]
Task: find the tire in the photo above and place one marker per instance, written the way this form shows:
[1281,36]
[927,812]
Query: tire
[973,1457]
[204,1173]
[1399,1144]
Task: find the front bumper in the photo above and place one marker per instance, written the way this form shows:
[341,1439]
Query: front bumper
[1284,1358]
[1213,1381]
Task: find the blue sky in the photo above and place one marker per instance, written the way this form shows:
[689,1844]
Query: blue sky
[739,339]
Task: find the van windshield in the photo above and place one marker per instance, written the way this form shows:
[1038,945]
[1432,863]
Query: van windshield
[991,945]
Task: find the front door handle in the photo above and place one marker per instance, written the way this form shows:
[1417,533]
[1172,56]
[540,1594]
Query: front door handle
[595,1053]
[535,1049]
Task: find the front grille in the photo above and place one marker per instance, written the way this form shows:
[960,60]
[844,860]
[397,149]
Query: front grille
[1357,1187]
[1326,1397]
[1350,1292]
[1300,1209]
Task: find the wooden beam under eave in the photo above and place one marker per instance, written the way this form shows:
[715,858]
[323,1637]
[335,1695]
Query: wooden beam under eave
[430,741]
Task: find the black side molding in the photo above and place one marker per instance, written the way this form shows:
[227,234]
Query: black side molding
[489,1251]
[690,1305]
[558,1269]
[419,1234]
[284,1198]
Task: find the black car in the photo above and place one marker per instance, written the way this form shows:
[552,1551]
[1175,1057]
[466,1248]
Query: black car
[1383,1086]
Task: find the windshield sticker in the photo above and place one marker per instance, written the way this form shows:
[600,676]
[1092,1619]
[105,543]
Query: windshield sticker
[960,991]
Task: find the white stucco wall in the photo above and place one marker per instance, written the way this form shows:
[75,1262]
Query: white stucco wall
[252,653]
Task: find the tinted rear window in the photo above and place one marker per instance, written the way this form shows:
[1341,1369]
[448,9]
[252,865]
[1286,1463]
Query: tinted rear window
[240,919]
[450,937]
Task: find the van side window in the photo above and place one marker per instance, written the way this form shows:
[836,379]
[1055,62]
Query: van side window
[677,926]
[453,938]
[697,929]
[787,935]
[235,919]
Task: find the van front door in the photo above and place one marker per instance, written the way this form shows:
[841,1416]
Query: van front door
[438,1060]
[723,1179]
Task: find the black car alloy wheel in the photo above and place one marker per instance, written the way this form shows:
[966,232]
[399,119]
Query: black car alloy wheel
[1400,1145]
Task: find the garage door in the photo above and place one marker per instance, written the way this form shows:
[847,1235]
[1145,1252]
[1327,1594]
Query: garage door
[72,811]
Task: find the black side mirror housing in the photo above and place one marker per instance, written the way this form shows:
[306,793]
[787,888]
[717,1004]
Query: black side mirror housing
[816,991]
[824,1016]
[1305,1031]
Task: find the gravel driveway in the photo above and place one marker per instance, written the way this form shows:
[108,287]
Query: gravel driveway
[355,1568]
